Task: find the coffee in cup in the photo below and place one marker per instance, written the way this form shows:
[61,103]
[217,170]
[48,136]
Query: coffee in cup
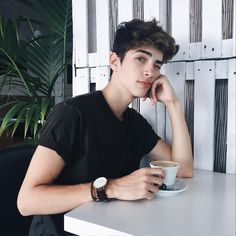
[170,168]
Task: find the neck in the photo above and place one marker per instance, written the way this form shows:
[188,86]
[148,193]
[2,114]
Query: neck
[117,98]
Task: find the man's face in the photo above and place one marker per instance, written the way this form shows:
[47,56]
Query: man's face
[139,69]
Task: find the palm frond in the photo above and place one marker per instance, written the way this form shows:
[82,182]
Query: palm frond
[7,121]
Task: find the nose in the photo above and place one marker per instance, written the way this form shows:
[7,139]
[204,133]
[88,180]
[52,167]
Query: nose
[149,70]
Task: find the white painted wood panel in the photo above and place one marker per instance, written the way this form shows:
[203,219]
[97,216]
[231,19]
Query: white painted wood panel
[161,120]
[204,92]
[151,10]
[103,40]
[180,21]
[149,111]
[102,77]
[80,32]
[234,30]
[125,10]
[195,51]
[81,82]
[211,28]
[227,47]
[221,69]
[231,127]
[176,76]
[190,73]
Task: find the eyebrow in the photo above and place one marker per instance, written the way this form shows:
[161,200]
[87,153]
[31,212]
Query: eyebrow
[150,55]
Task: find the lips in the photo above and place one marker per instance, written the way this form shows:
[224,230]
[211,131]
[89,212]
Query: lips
[144,83]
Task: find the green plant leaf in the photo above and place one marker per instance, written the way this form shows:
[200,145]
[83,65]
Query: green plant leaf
[32,66]
[18,120]
[36,121]
[10,114]
[45,105]
[1,27]
[29,115]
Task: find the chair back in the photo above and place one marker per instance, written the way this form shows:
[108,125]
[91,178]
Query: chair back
[13,166]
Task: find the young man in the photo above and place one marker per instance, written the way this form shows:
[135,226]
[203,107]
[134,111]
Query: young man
[98,135]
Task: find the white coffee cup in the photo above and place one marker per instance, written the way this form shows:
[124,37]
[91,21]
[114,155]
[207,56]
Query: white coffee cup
[170,168]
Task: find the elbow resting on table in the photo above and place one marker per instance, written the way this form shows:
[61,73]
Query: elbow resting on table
[185,172]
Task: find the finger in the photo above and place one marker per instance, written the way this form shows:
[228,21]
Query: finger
[153,188]
[155,180]
[149,195]
[153,91]
[155,171]
[159,172]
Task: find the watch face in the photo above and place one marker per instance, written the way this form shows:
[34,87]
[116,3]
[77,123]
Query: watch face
[100,182]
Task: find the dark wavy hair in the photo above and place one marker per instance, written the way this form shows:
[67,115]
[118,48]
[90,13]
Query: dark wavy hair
[136,33]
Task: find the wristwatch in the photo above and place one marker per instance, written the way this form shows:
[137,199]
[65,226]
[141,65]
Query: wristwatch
[98,189]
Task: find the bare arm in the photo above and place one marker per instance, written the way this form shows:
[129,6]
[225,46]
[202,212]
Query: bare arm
[180,150]
[38,194]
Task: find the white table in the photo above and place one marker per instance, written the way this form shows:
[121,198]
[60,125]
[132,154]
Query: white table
[207,207]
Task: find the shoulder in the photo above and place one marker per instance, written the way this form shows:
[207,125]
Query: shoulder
[74,105]
[84,99]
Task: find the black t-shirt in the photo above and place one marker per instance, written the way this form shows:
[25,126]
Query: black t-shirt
[93,142]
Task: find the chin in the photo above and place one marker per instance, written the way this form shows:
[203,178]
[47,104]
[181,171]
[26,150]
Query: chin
[140,94]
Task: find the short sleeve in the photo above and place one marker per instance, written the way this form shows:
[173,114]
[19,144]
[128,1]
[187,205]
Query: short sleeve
[60,132]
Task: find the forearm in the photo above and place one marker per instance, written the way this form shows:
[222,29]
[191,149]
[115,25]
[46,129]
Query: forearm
[52,199]
[181,145]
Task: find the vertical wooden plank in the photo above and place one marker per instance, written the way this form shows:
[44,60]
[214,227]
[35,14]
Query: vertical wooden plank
[228,28]
[176,76]
[80,32]
[92,26]
[113,20]
[180,20]
[195,29]
[211,28]
[138,9]
[231,137]
[125,10]
[234,30]
[189,100]
[81,82]
[161,112]
[221,69]
[149,111]
[102,76]
[103,36]
[220,125]
[204,114]
[151,9]
[220,120]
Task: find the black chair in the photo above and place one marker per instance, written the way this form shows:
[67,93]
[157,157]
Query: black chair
[13,166]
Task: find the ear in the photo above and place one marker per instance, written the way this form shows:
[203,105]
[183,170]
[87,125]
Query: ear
[114,61]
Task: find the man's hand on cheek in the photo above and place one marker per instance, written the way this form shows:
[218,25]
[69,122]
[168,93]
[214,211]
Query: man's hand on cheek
[161,91]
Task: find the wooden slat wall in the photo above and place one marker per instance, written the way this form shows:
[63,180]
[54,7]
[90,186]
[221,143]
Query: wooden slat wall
[180,20]
[151,10]
[205,39]
[231,129]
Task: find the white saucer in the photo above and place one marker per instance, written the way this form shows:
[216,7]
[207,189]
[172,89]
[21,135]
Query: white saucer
[178,187]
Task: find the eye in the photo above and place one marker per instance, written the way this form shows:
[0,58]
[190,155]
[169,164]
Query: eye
[141,59]
[157,66]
